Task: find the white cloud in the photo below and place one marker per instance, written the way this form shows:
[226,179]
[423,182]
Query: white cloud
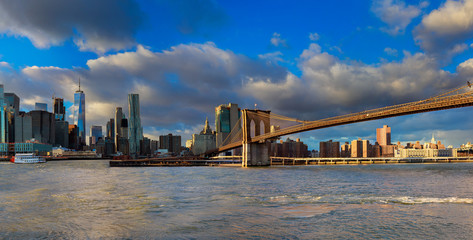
[277,41]
[314,36]
[272,58]
[443,29]
[396,14]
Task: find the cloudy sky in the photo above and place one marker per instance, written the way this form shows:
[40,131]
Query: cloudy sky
[304,59]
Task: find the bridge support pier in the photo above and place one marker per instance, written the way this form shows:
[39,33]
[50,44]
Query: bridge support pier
[255,154]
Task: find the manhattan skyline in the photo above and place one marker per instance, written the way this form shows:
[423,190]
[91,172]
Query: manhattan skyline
[326,60]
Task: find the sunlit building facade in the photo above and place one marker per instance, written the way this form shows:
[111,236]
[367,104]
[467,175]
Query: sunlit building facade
[79,114]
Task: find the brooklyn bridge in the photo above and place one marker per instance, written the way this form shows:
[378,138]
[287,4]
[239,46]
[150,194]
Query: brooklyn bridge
[256,127]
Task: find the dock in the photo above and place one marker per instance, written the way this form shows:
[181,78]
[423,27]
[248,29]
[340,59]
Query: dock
[285,161]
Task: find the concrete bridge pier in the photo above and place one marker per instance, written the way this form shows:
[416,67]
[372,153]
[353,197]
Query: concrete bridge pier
[255,154]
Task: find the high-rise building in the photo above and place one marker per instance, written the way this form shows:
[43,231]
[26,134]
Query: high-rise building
[383,135]
[23,127]
[12,101]
[204,141]
[95,134]
[59,110]
[135,130]
[41,107]
[118,127]
[7,114]
[111,129]
[43,126]
[329,149]
[227,118]
[357,148]
[79,114]
[61,133]
[73,137]
[170,142]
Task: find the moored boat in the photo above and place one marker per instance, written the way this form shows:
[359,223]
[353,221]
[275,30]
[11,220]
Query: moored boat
[27,158]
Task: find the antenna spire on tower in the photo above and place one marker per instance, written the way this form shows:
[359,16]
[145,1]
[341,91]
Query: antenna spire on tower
[79,84]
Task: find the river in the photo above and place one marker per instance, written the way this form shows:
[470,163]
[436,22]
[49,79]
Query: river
[89,200]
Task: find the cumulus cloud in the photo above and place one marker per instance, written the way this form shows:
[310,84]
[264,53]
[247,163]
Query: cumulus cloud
[445,29]
[277,41]
[180,86]
[97,26]
[332,86]
[396,14]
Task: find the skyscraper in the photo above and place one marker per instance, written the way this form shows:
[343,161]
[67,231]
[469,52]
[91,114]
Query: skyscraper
[135,130]
[226,119]
[79,114]
[383,135]
[3,122]
[59,110]
[95,134]
[118,126]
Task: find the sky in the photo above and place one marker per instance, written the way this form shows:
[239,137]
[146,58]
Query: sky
[303,59]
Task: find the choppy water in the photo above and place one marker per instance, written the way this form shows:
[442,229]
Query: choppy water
[89,200]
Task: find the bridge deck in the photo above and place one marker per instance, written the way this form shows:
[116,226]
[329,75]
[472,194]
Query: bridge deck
[436,104]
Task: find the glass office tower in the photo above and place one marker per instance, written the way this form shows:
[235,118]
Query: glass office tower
[135,130]
[79,114]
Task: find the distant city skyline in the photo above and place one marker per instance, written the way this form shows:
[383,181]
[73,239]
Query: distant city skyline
[327,59]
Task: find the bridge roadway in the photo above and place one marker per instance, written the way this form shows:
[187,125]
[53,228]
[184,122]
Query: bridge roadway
[434,104]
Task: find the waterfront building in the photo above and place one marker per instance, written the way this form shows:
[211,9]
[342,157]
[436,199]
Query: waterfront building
[289,148]
[123,146]
[329,149]
[154,146]
[135,130]
[357,148]
[43,126]
[9,149]
[61,133]
[423,153]
[227,118]
[170,142]
[58,109]
[204,141]
[23,127]
[41,107]
[145,145]
[345,151]
[79,115]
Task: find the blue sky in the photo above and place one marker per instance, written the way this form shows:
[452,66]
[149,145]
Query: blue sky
[303,59]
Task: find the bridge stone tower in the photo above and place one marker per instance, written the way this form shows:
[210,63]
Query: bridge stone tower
[256,153]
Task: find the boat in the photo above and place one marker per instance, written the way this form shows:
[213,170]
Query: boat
[27,158]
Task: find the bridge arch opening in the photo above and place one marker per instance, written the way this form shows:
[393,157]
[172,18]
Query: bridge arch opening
[252,129]
[261,127]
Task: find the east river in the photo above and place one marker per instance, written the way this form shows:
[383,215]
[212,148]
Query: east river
[89,200]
